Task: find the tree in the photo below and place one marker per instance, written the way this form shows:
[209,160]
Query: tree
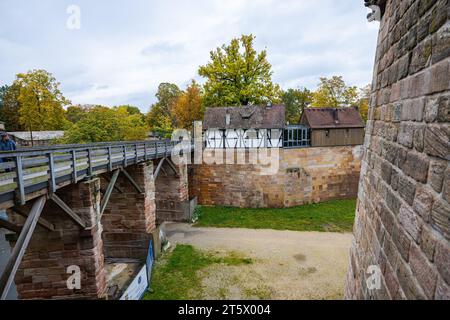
[41,102]
[3,91]
[105,124]
[334,93]
[76,113]
[296,100]
[160,118]
[167,94]
[189,106]
[363,103]
[10,108]
[238,75]
[132,111]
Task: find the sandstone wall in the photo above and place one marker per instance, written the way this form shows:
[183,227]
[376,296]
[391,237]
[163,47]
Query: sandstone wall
[172,194]
[43,271]
[130,217]
[305,176]
[403,212]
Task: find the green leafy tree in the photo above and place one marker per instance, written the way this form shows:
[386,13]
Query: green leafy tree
[238,75]
[167,94]
[76,113]
[3,91]
[132,110]
[363,102]
[296,100]
[41,102]
[106,124]
[334,92]
[160,118]
[9,107]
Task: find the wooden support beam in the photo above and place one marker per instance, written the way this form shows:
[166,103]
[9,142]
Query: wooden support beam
[115,186]
[172,166]
[42,222]
[158,168]
[67,210]
[5,224]
[135,185]
[108,192]
[164,171]
[13,264]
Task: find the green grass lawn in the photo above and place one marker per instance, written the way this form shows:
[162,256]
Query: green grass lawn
[333,216]
[175,275]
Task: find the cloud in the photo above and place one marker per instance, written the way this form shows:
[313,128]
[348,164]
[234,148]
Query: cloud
[124,49]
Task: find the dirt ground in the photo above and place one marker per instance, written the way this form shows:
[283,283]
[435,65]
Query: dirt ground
[286,264]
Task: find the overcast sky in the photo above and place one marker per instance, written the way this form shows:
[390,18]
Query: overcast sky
[125,48]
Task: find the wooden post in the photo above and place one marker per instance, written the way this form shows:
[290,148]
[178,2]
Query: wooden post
[110,160]
[124,156]
[89,162]
[20,182]
[51,166]
[74,167]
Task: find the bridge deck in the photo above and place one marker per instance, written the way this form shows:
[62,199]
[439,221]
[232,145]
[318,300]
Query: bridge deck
[28,173]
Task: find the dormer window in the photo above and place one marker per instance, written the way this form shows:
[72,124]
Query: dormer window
[227,119]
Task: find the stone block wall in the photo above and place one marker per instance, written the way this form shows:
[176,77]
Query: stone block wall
[172,194]
[43,271]
[308,175]
[403,212]
[130,217]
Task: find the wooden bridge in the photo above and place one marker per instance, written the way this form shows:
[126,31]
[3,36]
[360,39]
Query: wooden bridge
[29,173]
[30,177]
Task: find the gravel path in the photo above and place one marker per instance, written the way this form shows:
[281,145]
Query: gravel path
[287,264]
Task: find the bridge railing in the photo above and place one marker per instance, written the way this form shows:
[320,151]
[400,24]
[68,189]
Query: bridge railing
[27,173]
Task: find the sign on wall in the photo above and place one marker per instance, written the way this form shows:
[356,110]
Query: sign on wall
[138,286]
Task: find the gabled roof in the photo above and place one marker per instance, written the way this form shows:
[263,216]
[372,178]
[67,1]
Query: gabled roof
[330,118]
[246,117]
[37,135]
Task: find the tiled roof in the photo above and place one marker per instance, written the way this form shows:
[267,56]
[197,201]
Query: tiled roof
[37,135]
[246,117]
[323,118]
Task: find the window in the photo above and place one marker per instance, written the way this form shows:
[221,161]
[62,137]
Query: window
[296,137]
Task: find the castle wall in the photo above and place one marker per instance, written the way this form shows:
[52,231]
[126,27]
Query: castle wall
[307,175]
[403,214]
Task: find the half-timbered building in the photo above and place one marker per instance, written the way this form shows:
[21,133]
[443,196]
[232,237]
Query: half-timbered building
[244,127]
